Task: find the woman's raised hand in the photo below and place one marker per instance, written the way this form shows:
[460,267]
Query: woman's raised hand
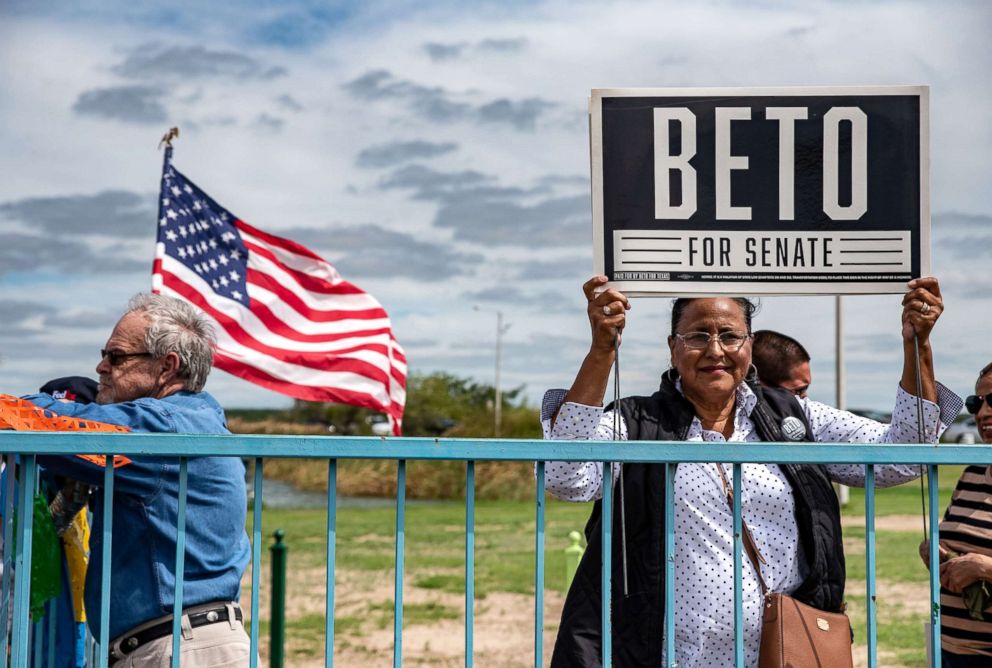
[607,311]
[921,306]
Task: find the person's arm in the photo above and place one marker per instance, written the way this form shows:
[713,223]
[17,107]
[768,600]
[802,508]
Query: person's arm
[831,425]
[576,481]
[921,307]
[145,414]
[957,573]
[942,553]
[141,476]
[578,415]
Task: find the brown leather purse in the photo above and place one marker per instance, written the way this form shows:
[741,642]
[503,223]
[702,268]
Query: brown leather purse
[793,634]
[797,635]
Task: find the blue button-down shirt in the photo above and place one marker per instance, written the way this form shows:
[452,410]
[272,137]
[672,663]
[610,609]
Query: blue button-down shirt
[146,508]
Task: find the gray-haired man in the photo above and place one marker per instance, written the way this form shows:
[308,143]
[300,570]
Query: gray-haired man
[152,373]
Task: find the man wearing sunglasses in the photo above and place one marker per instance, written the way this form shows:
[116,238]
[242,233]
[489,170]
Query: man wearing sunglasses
[152,372]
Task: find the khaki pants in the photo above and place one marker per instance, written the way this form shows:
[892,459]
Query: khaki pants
[218,645]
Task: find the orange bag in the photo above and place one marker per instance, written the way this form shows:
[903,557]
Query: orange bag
[21,415]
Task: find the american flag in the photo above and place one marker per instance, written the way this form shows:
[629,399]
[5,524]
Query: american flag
[285,319]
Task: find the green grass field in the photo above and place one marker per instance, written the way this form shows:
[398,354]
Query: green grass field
[435,554]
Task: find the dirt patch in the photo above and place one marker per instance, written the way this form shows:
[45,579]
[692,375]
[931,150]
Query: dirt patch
[504,622]
[882,658]
[896,600]
[503,629]
[503,633]
[907,523]
[905,598]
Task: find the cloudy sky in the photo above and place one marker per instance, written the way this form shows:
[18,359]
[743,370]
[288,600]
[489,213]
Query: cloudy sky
[437,154]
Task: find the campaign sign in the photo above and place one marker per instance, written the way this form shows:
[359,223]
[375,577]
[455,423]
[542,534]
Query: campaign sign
[760,190]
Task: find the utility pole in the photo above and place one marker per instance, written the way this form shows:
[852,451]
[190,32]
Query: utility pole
[498,404]
[498,413]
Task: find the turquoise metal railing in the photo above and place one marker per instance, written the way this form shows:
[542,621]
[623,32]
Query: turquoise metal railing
[334,449]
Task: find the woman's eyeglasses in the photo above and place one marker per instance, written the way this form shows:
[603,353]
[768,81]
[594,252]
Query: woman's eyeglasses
[974,402]
[115,357]
[700,340]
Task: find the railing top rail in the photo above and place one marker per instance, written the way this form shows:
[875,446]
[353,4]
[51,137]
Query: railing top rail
[373,447]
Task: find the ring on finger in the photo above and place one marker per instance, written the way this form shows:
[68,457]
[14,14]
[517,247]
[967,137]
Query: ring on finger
[607,310]
[925,308]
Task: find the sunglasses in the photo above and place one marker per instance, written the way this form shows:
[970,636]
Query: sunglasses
[974,402]
[115,357]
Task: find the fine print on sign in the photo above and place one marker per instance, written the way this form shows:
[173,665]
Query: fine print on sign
[760,190]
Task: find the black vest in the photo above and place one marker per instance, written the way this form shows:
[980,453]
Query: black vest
[638,617]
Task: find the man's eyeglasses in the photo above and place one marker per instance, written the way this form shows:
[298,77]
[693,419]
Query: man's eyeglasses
[115,357]
[974,402]
[700,340]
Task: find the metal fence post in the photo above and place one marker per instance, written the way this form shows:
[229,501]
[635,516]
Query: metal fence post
[277,637]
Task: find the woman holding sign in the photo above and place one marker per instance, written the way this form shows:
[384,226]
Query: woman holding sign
[710,394]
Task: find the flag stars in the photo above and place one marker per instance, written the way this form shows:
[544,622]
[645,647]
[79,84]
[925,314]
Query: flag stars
[235,276]
[181,252]
[171,236]
[189,191]
[163,221]
[213,243]
[215,284]
[191,251]
[235,254]
[223,260]
[228,236]
[223,281]
[236,294]
[213,263]
[172,214]
[182,231]
[176,191]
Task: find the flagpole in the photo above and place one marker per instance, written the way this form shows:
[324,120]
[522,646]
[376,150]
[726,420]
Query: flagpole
[166,141]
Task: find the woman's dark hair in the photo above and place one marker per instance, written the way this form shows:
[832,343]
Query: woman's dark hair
[679,306]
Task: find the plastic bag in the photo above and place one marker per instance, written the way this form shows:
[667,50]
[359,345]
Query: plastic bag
[46,559]
[976,599]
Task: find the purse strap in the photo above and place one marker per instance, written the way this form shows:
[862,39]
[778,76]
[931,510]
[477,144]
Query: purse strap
[749,545]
